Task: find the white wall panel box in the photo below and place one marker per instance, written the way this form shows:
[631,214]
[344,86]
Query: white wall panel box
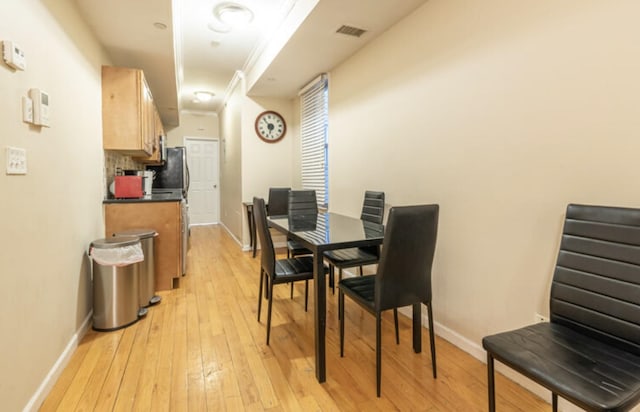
[13,55]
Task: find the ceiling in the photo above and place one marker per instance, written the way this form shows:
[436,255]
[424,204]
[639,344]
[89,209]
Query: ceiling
[287,44]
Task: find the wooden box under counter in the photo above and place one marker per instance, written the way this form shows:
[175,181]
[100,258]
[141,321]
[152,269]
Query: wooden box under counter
[162,216]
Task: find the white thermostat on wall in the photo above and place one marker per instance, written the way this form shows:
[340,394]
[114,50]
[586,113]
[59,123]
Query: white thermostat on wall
[13,55]
[40,107]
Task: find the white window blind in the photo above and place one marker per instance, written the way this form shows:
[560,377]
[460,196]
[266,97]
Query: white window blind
[313,134]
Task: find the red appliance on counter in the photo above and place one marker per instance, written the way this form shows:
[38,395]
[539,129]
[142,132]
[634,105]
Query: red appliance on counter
[128,187]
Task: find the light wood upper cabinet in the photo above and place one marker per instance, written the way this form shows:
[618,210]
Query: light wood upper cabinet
[157,131]
[128,112]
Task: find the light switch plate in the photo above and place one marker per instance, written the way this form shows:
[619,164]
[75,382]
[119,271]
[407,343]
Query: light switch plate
[16,161]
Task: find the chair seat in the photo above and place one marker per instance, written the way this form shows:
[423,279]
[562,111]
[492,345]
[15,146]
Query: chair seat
[361,289]
[296,248]
[345,258]
[577,367]
[300,268]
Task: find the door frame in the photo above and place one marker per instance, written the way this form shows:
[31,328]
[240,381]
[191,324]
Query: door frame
[185,139]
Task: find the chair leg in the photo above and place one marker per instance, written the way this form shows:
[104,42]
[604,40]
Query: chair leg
[262,275]
[554,401]
[291,290]
[378,351]
[341,317]
[266,286]
[491,384]
[306,293]
[432,340]
[339,274]
[269,312]
[360,270]
[395,320]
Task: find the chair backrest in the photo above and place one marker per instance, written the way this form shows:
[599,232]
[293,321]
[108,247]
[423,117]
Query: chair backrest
[302,203]
[278,201]
[404,271]
[267,252]
[373,207]
[596,283]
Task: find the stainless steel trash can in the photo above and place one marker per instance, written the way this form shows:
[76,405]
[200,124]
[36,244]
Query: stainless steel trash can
[115,287]
[146,276]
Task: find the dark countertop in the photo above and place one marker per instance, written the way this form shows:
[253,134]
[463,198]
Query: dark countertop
[159,195]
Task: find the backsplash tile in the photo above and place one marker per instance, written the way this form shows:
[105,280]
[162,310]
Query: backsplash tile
[114,161]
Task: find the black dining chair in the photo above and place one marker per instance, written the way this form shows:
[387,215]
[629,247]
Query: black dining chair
[403,277]
[278,201]
[301,204]
[276,271]
[372,211]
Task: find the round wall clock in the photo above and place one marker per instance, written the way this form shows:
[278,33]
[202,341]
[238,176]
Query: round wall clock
[270,126]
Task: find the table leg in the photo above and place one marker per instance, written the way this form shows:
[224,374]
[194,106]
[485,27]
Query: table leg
[417,328]
[320,315]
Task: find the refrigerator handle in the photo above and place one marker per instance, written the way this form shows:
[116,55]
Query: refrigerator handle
[188,177]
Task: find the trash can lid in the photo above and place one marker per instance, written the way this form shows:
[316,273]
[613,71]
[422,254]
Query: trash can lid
[115,242]
[141,233]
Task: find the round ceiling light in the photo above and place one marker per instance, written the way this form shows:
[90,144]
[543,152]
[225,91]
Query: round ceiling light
[203,96]
[233,14]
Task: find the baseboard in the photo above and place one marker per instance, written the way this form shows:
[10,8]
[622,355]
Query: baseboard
[47,384]
[244,248]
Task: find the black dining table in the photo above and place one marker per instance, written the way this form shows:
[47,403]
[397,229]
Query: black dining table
[319,233]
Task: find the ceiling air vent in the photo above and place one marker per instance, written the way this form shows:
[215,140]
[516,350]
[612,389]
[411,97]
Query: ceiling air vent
[351,31]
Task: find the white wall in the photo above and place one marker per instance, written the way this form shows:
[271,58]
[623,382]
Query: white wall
[231,211]
[265,164]
[501,112]
[50,215]
[194,124]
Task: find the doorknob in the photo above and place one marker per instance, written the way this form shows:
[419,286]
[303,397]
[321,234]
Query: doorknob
[215,186]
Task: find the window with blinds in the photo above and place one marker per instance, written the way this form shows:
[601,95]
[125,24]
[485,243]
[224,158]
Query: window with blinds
[314,106]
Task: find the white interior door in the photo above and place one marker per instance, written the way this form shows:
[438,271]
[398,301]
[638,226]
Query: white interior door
[203,158]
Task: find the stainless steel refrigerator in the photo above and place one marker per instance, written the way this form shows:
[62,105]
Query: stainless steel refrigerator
[174,173]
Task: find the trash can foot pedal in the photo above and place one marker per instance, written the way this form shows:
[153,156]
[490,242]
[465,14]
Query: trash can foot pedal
[155,300]
[142,312]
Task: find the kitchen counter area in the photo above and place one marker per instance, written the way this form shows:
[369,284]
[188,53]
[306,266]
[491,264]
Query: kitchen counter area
[158,195]
[165,211]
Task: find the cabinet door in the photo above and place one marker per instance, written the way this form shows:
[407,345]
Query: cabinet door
[158,130]
[164,218]
[125,105]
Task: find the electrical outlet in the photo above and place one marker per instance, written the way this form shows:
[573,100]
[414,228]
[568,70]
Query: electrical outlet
[538,318]
[16,161]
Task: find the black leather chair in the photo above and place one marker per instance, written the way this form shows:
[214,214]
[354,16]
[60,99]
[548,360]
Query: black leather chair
[302,204]
[589,352]
[372,211]
[272,271]
[278,201]
[404,274]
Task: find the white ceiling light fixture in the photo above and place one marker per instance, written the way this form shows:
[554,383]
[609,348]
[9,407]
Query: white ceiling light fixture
[233,14]
[203,96]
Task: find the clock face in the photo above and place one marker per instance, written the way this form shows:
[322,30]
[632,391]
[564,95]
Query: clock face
[270,126]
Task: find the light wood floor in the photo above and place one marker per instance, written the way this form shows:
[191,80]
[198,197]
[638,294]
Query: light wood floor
[202,349]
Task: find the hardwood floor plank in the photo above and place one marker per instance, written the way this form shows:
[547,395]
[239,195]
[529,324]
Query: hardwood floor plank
[111,385]
[146,385]
[202,349]
[179,378]
[133,371]
[161,393]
